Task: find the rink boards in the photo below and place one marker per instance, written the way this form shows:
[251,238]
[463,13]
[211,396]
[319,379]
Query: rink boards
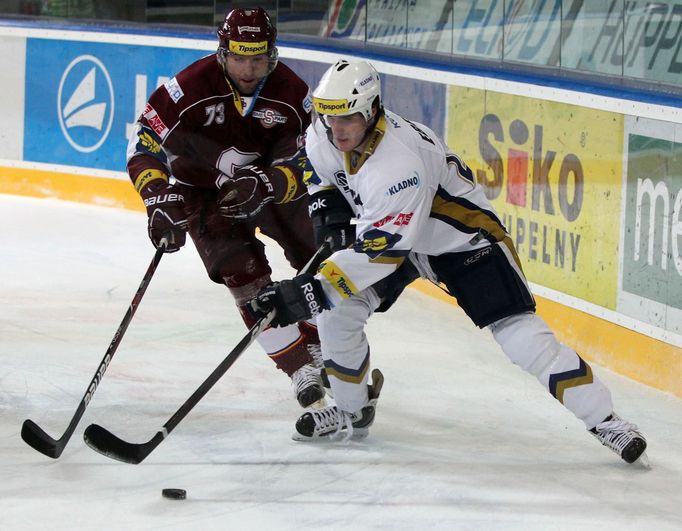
[589,186]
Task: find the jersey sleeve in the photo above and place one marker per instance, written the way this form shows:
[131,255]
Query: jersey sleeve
[146,150]
[158,141]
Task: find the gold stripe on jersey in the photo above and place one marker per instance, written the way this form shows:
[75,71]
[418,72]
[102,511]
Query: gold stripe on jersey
[474,219]
[345,374]
[338,279]
[354,160]
[507,242]
[292,184]
[382,259]
[307,175]
[146,176]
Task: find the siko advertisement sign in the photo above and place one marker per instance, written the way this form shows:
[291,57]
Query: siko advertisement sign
[553,173]
[82,98]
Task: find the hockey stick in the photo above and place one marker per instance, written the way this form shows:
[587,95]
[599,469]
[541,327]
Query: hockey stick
[33,434]
[103,441]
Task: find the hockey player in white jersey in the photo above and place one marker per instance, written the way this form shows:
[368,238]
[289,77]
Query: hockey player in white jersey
[414,202]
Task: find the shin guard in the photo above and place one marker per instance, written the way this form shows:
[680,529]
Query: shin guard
[530,344]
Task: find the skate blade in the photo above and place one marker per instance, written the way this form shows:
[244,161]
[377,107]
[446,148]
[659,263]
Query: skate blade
[358,434]
[643,461]
[320,404]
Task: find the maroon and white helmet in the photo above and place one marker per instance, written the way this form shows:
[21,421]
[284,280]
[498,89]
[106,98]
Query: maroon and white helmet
[247,32]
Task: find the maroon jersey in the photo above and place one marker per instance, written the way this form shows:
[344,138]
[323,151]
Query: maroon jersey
[197,127]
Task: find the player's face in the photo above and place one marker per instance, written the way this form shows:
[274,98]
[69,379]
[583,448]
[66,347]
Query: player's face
[246,71]
[348,132]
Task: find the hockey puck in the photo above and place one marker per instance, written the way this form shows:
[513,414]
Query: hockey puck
[174,494]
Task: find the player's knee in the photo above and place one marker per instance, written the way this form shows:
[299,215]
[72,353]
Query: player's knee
[527,341]
[243,294]
[246,291]
[238,271]
[342,327]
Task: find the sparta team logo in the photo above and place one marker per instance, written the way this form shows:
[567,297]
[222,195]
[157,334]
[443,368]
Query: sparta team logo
[85,103]
[269,117]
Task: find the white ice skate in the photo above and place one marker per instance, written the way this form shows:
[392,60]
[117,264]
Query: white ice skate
[330,423]
[307,384]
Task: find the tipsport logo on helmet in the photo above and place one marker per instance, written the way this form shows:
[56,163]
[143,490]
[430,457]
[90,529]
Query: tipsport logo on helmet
[332,107]
[248,48]
[85,103]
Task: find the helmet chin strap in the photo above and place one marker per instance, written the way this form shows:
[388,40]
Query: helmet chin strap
[371,123]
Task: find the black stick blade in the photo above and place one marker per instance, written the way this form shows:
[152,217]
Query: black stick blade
[36,438]
[106,443]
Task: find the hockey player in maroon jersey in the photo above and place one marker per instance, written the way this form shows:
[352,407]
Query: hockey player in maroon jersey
[238,115]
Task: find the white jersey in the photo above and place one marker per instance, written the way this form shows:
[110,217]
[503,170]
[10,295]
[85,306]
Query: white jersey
[410,194]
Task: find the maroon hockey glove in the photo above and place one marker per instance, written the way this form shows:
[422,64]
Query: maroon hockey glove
[293,300]
[245,194]
[166,216]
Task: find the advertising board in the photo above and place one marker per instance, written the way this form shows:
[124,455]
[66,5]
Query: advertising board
[553,172]
[82,98]
[651,286]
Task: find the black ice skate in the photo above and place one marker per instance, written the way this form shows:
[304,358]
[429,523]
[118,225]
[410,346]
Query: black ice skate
[330,423]
[622,437]
[307,384]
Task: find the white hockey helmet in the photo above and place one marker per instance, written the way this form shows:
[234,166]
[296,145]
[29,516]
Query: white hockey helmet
[348,87]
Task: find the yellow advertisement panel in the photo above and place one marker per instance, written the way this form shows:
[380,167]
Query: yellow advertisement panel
[553,172]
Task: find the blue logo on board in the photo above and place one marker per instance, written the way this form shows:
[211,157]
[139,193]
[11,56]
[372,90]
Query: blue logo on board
[85,103]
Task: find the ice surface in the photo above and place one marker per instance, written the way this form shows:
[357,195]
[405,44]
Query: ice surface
[462,440]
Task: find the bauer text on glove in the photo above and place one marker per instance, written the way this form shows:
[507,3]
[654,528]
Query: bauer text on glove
[244,195]
[166,216]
